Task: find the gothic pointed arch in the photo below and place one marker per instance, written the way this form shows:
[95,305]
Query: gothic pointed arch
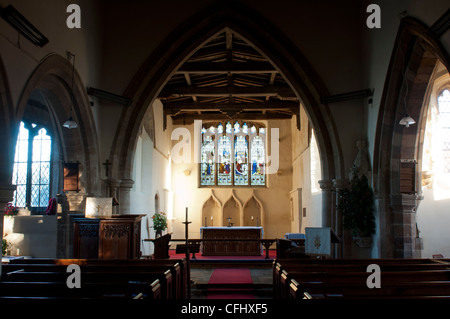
[182,43]
[253,211]
[415,55]
[232,208]
[212,211]
[52,80]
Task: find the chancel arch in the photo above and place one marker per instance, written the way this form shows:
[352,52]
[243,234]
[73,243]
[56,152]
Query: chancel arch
[182,44]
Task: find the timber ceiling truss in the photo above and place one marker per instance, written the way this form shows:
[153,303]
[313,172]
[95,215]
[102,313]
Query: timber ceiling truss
[228,79]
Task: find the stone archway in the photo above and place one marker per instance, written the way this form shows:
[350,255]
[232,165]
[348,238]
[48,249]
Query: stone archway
[413,60]
[52,78]
[178,47]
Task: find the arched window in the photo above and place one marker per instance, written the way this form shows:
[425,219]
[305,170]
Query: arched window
[31,172]
[444,126]
[240,157]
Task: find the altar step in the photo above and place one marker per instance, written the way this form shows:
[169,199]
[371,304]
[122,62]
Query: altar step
[231,283]
[230,291]
[213,264]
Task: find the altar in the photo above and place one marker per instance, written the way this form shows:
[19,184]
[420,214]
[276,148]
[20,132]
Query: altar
[216,241]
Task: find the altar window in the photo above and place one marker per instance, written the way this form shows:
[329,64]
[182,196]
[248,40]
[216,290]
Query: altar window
[31,171]
[233,155]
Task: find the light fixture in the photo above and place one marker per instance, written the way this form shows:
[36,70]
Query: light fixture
[407,121]
[22,25]
[70,123]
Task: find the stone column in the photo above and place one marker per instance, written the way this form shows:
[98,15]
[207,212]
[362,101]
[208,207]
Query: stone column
[327,187]
[338,185]
[125,188]
[113,188]
[404,224]
[6,196]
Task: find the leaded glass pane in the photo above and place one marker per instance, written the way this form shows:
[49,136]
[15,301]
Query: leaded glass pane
[19,177]
[257,161]
[20,196]
[207,161]
[35,196]
[39,166]
[241,160]
[224,161]
[40,169]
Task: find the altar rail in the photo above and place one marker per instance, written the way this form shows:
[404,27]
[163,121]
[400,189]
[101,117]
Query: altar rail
[265,242]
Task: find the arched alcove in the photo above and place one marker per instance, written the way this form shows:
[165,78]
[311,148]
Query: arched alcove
[253,212]
[232,209]
[211,212]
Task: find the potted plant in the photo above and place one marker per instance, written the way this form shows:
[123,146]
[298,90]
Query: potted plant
[356,203]
[159,223]
[5,246]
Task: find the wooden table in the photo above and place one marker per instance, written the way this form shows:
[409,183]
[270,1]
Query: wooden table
[240,241]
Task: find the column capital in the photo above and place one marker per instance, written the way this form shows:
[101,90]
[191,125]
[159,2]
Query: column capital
[326,184]
[126,183]
[340,183]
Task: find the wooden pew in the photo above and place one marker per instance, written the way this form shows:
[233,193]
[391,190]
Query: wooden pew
[59,290]
[418,289]
[166,278]
[177,267]
[121,278]
[292,278]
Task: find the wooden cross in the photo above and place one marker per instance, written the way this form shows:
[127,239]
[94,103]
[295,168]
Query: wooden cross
[98,208]
[107,164]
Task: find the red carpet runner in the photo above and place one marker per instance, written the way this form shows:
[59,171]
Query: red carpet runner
[230,283]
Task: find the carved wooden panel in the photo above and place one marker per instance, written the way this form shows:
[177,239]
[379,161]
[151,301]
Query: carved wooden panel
[223,247]
[118,237]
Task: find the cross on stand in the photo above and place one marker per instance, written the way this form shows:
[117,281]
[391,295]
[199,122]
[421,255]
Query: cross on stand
[187,249]
[229,221]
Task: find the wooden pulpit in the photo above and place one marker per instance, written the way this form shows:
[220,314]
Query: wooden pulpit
[118,237]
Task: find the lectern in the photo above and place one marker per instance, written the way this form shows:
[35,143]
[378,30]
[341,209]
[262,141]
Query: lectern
[318,241]
[117,237]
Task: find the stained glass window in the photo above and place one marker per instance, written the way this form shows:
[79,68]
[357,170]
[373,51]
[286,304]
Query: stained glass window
[257,157]
[224,161]
[208,161]
[240,160]
[240,156]
[31,171]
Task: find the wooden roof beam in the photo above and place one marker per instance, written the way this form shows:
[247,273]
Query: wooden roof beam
[266,90]
[226,67]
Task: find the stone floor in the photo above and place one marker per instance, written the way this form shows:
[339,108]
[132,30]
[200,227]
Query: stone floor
[262,282]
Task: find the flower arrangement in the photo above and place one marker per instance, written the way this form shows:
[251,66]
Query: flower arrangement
[159,222]
[11,210]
